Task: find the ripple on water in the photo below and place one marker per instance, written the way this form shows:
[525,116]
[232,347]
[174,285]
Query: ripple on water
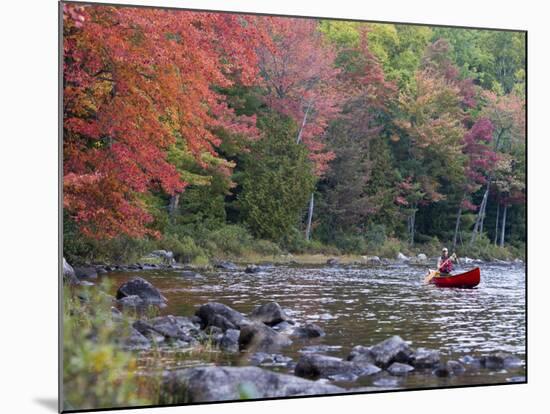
[362,306]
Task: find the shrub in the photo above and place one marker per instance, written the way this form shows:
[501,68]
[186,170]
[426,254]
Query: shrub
[96,372]
[184,248]
[231,240]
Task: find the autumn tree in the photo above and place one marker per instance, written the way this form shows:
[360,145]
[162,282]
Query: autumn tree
[302,83]
[132,77]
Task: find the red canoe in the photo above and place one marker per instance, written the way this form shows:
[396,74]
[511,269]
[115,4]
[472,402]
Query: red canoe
[468,279]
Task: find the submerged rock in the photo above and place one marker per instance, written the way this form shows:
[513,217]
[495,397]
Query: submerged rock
[142,288]
[259,337]
[190,274]
[269,313]
[204,384]
[448,369]
[500,360]
[220,315]
[255,269]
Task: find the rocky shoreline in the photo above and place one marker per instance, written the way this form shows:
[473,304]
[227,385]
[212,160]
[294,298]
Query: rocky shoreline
[88,272]
[260,338]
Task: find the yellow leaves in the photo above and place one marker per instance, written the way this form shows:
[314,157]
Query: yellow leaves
[100,359]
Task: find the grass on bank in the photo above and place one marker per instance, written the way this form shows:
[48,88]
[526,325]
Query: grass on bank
[200,246]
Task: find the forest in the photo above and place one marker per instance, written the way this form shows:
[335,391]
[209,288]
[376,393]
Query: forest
[219,135]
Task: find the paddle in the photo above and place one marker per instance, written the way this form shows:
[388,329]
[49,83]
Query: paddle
[431,275]
[436,273]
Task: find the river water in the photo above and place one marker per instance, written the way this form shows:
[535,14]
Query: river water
[365,305]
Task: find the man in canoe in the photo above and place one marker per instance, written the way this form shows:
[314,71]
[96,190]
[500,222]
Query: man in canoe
[445,262]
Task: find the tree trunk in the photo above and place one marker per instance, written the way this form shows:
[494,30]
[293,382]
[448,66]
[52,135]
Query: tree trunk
[496,224]
[503,225]
[457,227]
[481,215]
[173,206]
[304,121]
[411,225]
[309,217]
[298,140]
[478,224]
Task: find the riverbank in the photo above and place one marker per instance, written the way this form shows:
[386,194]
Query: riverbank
[222,322]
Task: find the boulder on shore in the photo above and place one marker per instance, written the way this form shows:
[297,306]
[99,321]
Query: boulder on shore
[142,288]
[401,257]
[269,313]
[85,272]
[69,276]
[206,384]
[165,255]
[229,342]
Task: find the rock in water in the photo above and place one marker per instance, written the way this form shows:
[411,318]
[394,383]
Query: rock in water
[333,262]
[315,366]
[142,288]
[224,265]
[425,358]
[204,384]
[220,315]
[254,269]
[500,360]
[132,301]
[400,369]
[361,353]
[309,330]
[258,337]
[269,313]
[391,350]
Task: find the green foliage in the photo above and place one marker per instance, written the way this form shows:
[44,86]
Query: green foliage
[96,372]
[276,180]
[78,249]
[184,248]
